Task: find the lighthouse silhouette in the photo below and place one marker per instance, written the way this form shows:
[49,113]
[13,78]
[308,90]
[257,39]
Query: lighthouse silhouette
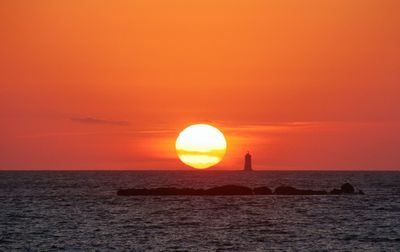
[247,162]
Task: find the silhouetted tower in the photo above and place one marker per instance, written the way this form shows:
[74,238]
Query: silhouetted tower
[247,162]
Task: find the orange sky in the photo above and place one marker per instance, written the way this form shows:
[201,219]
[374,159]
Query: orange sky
[109,84]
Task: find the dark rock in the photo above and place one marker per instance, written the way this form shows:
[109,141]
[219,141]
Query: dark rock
[288,190]
[232,190]
[175,191]
[312,192]
[347,188]
[361,192]
[336,191]
[262,190]
[229,190]
[220,190]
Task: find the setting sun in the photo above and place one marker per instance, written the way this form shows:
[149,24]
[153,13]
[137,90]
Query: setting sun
[201,146]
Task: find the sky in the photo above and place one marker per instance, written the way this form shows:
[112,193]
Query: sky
[302,85]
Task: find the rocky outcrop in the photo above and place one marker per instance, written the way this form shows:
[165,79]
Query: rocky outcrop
[346,188]
[219,190]
[234,190]
[229,190]
[262,191]
[288,190]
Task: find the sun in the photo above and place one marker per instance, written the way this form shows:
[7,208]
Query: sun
[201,146]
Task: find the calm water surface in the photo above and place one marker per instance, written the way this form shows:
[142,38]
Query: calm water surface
[79,211]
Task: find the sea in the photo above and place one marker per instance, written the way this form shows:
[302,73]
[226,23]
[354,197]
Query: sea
[80,211]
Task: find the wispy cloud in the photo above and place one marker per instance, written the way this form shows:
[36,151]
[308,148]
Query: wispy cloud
[261,127]
[93,120]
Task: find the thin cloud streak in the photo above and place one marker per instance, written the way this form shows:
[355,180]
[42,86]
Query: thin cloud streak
[93,120]
[261,127]
[100,133]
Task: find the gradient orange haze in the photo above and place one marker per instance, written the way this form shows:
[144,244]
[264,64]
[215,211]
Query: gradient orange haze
[109,84]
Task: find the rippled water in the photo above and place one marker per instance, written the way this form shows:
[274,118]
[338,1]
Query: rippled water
[77,211]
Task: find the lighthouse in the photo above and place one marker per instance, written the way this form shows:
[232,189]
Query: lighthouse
[247,162]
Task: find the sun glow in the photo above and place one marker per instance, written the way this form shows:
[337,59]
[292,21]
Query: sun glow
[201,146]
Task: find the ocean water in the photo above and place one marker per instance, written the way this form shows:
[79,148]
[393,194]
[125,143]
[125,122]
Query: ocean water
[80,211]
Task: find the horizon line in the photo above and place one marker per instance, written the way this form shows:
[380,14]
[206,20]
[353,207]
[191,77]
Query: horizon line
[191,170]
